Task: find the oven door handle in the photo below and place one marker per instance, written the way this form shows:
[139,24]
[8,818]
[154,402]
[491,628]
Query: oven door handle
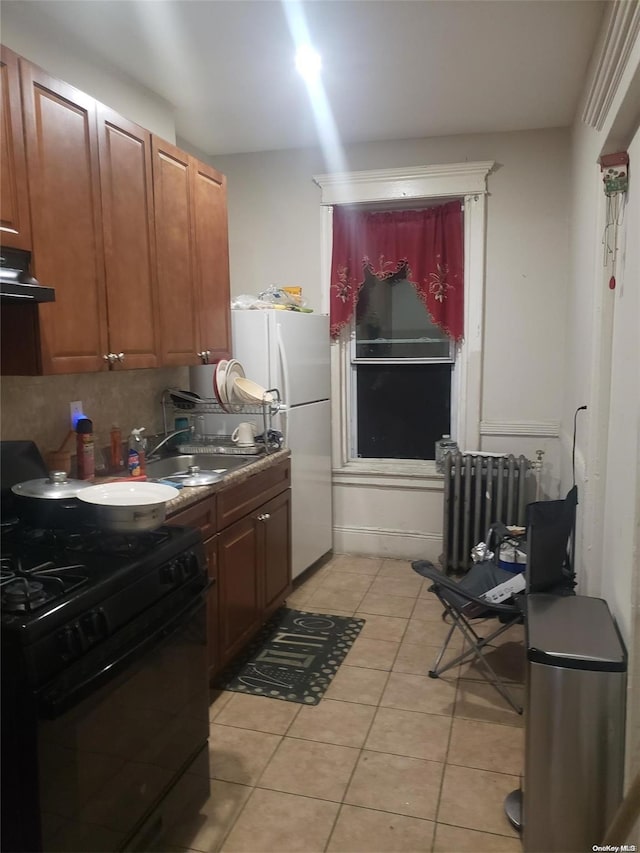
[53,703]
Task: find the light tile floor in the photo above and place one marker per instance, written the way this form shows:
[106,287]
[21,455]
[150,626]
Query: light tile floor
[390,760]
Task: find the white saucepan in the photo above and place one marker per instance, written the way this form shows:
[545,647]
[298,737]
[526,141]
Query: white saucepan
[128,507]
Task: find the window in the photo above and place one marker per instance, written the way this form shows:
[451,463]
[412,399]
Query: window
[410,186]
[400,377]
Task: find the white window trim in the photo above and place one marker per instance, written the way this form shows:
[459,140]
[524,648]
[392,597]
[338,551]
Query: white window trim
[424,183]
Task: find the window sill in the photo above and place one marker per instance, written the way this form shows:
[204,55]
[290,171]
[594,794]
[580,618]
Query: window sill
[390,473]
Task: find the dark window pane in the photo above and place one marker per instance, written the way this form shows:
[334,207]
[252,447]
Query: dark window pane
[402,409]
[392,322]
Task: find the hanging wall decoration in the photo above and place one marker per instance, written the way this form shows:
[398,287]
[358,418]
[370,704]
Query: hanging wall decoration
[615,175]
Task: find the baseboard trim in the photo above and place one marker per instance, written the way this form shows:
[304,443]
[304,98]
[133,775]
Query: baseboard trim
[381,542]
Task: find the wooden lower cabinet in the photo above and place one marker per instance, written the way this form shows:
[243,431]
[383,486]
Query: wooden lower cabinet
[249,560]
[275,546]
[254,559]
[239,605]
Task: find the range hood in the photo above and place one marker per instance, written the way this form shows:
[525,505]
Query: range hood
[16,282]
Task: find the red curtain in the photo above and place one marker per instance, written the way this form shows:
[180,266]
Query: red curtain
[424,246]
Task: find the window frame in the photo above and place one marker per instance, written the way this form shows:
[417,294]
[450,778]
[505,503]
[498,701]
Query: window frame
[407,187]
[355,360]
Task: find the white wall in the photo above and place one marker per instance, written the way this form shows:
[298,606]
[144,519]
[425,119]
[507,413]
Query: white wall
[603,356]
[25,34]
[274,235]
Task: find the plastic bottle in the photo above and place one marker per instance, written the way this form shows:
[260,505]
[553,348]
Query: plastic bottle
[85,449]
[180,438]
[443,446]
[115,460]
[136,453]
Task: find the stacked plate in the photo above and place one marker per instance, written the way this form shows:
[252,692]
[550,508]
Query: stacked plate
[233,390]
[224,377]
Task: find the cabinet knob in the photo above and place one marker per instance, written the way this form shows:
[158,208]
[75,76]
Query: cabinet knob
[110,357]
[264,517]
[204,355]
[120,357]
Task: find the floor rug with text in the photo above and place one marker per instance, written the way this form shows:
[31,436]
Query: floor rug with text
[294,657]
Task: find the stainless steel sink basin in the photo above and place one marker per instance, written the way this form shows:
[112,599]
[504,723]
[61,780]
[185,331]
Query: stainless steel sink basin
[221,463]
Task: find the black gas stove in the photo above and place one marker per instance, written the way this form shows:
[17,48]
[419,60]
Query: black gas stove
[98,627]
[65,592]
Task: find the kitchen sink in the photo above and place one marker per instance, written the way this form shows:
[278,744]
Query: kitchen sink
[221,463]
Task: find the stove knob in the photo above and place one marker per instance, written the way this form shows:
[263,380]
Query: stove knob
[66,641]
[169,573]
[74,641]
[193,566]
[95,624]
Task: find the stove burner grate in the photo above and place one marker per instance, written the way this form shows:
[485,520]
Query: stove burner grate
[27,589]
[119,544]
[93,541]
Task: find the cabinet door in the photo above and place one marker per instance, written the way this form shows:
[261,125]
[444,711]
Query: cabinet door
[174,242]
[240,605]
[209,195]
[274,519]
[15,225]
[129,239]
[64,192]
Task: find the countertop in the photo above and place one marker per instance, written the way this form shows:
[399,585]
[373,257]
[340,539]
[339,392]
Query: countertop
[190,495]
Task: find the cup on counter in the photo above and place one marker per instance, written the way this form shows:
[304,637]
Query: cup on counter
[244,435]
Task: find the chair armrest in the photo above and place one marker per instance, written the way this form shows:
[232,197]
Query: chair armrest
[439,579]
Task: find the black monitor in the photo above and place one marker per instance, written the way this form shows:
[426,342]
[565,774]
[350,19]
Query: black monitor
[550,525]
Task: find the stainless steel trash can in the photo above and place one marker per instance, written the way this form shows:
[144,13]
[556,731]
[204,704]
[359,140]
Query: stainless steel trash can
[575,716]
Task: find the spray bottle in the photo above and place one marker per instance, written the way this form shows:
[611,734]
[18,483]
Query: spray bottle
[136,453]
[85,450]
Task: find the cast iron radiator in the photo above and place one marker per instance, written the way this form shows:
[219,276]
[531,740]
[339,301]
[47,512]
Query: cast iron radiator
[479,490]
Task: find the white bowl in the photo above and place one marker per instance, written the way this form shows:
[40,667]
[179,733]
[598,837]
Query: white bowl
[249,391]
[128,507]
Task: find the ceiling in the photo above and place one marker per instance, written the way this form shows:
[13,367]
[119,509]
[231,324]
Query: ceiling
[392,69]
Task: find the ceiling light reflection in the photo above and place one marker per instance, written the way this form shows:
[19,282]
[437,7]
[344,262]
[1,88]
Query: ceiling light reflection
[308,62]
[327,130]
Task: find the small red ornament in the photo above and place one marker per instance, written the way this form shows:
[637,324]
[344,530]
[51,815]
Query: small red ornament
[612,283]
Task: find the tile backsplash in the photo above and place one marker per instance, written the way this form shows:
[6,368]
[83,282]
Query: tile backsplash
[36,408]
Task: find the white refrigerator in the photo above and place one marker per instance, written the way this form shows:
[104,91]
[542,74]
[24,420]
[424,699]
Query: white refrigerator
[289,351]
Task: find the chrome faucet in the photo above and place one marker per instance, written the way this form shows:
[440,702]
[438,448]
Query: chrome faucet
[151,453]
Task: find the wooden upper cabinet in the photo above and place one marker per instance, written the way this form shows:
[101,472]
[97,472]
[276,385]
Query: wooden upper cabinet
[129,230]
[174,245]
[64,191]
[15,225]
[129,240]
[209,193]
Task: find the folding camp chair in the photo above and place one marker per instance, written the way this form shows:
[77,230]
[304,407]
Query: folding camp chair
[550,526]
[462,606]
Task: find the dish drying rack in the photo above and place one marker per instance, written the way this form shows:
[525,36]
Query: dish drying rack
[180,402]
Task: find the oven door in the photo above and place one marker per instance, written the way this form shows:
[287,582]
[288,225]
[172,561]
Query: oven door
[111,747]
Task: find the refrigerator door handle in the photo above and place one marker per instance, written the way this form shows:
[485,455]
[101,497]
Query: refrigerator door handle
[284,364]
